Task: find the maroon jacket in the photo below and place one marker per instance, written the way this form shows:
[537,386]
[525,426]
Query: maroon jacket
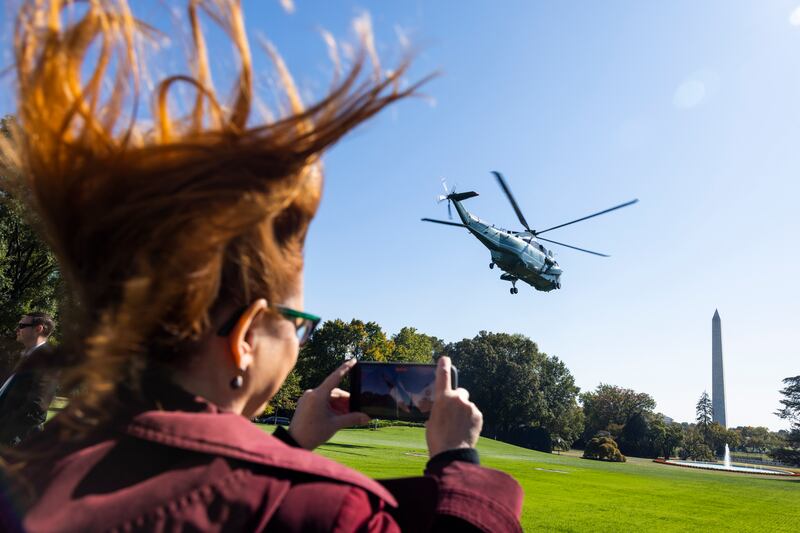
[196,468]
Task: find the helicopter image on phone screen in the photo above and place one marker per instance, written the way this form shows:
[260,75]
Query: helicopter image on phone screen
[519,254]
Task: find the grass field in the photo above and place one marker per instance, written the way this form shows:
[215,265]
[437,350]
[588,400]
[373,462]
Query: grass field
[567,493]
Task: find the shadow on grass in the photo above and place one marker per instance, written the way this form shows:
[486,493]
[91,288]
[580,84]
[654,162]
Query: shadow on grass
[341,445]
[786,479]
[341,448]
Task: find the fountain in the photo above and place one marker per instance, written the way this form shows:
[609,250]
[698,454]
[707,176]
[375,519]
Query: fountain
[727,467]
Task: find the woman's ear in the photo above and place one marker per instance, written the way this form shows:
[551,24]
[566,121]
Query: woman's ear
[240,339]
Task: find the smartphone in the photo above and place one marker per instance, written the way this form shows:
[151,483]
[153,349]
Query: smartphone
[395,391]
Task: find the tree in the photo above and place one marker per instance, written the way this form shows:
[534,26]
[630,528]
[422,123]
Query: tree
[717,437]
[567,428]
[525,395]
[501,373]
[791,403]
[673,437]
[337,340]
[704,412]
[559,411]
[695,447]
[609,404]
[634,439]
[790,452]
[286,398]
[412,346]
[29,276]
[756,439]
[657,431]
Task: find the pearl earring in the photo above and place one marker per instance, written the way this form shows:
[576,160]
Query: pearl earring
[237,382]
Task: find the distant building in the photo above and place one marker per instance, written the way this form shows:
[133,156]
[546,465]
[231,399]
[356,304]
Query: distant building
[718,412]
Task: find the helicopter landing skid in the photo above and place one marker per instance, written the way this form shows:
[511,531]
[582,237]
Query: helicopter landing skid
[513,280]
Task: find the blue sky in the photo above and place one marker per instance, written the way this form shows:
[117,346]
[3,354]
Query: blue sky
[692,107]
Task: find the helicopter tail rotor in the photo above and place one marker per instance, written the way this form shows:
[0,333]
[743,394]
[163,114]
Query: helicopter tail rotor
[441,198]
[446,196]
[451,195]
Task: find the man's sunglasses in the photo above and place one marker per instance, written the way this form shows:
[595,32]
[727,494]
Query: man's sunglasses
[304,323]
[23,326]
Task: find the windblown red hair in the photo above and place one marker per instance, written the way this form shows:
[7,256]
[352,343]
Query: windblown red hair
[156,227]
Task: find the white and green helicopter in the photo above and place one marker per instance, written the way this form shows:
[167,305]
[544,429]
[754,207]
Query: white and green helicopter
[518,253]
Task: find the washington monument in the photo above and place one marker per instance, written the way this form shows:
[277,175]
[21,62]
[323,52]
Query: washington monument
[717,374]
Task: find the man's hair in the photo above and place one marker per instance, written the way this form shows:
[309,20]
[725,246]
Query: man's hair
[39,318]
[160,222]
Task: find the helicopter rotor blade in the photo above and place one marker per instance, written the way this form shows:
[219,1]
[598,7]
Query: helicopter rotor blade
[573,247]
[446,223]
[511,199]
[449,211]
[444,185]
[620,206]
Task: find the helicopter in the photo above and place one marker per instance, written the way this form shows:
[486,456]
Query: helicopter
[519,254]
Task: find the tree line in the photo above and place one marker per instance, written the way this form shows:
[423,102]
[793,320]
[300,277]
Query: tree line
[629,419]
[527,397]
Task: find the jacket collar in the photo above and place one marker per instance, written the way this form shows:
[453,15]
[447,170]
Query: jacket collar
[189,422]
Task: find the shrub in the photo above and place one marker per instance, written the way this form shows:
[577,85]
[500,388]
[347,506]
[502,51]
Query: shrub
[376,423]
[603,448]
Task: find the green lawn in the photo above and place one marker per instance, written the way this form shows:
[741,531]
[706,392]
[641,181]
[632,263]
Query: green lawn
[566,493]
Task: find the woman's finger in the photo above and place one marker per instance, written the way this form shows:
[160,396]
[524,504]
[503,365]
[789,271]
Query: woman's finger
[350,420]
[333,380]
[442,384]
[462,393]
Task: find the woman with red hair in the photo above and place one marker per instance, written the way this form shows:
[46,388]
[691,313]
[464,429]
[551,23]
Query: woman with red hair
[181,239]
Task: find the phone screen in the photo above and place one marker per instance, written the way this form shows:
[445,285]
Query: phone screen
[394,391]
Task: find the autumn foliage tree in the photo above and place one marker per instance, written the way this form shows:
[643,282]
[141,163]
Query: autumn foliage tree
[285,401]
[410,345]
[334,342]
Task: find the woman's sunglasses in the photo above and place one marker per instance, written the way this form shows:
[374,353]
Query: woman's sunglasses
[304,323]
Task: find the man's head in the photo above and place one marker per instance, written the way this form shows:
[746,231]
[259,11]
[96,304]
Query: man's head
[34,329]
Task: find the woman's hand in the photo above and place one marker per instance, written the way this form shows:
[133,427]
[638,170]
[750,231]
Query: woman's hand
[455,421]
[323,411]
